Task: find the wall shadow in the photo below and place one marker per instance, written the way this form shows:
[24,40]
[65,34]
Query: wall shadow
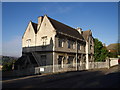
[71,79]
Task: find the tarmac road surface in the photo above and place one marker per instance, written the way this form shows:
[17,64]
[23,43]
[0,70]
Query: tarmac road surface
[98,78]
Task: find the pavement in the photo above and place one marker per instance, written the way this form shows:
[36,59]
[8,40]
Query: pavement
[97,78]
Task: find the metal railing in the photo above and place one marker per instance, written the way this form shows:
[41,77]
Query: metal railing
[61,68]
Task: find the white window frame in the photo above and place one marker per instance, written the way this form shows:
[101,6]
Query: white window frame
[44,40]
[60,42]
[28,42]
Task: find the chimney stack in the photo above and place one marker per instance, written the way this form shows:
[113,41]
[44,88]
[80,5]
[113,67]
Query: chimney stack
[79,30]
[40,21]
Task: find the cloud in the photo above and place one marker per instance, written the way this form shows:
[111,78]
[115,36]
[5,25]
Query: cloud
[55,9]
[63,9]
[12,47]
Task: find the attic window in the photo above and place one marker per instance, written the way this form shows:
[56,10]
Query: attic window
[44,40]
[28,42]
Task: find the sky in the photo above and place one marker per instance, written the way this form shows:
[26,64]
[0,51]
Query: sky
[100,17]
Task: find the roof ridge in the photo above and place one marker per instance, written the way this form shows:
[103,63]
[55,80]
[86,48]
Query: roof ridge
[61,27]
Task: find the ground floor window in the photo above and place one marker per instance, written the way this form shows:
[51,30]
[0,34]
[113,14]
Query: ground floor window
[71,61]
[60,61]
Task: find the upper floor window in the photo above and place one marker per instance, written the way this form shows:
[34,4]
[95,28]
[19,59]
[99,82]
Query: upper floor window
[68,44]
[44,40]
[79,46]
[71,44]
[90,41]
[60,42]
[90,47]
[28,42]
[74,45]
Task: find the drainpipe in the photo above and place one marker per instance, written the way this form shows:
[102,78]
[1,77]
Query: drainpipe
[35,41]
[54,54]
[87,52]
[76,54]
[53,61]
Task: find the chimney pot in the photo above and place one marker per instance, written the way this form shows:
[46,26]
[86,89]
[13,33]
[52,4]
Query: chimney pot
[79,30]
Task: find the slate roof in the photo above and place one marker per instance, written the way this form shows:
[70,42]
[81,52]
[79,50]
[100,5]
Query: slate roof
[113,46]
[34,26]
[60,27]
[22,59]
[32,59]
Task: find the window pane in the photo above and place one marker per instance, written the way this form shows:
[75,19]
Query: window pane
[60,43]
[44,40]
[68,44]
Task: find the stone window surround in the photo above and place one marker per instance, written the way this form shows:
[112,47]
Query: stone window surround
[44,40]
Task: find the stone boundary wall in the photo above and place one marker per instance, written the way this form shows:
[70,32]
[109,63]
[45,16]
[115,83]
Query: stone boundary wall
[94,65]
[57,68]
[113,61]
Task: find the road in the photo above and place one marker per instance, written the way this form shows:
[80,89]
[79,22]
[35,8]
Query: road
[98,78]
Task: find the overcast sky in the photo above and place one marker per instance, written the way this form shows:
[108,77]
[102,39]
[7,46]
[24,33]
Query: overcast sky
[100,17]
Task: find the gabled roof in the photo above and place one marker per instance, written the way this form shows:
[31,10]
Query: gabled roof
[22,59]
[86,34]
[60,27]
[34,26]
[31,57]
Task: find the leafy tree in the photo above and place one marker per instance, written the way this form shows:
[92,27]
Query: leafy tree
[101,51]
[7,63]
[7,66]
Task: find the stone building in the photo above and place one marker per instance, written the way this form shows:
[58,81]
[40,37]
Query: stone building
[52,43]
